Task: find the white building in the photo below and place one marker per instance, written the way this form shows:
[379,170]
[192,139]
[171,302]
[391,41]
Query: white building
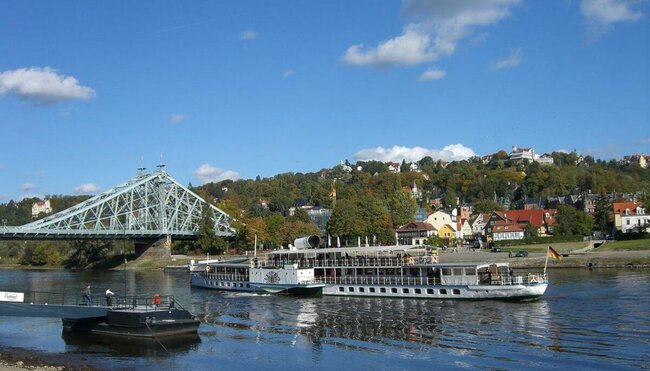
[440,218]
[520,154]
[39,207]
[630,217]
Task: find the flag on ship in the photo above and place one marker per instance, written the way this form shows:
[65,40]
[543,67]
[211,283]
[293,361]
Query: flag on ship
[554,254]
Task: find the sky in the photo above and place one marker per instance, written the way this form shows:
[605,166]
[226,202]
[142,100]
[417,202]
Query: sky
[91,91]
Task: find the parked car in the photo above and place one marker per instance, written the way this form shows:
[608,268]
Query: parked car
[495,249]
[521,254]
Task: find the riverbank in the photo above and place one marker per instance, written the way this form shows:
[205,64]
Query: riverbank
[626,254]
[590,259]
[17,359]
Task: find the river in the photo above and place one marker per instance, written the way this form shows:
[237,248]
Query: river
[588,319]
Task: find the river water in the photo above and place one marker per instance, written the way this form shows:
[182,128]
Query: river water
[588,319]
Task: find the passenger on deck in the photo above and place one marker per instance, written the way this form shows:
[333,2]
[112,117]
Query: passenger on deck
[109,297]
[87,300]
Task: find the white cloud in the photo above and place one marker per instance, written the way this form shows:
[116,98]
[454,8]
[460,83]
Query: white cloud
[248,35]
[452,152]
[432,74]
[644,141]
[606,12]
[602,14]
[207,173]
[26,187]
[42,85]
[287,73]
[510,61]
[176,118]
[86,188]
[438,28]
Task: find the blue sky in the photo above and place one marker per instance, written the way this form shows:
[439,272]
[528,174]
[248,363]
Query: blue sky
[89,91]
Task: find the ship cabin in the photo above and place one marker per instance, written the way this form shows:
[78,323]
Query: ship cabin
[395,265]
[354,256]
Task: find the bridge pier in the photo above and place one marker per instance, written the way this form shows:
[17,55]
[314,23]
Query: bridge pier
[157,249]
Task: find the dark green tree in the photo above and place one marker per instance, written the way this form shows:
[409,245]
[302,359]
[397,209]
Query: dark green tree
[571,221]
[530,231]
[402,208]
[601,217]
[208,240]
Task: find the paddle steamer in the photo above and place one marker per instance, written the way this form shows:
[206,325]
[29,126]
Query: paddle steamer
[411,271]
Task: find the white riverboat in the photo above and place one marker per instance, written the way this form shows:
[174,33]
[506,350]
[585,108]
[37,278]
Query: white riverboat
[378,271]
[249,275]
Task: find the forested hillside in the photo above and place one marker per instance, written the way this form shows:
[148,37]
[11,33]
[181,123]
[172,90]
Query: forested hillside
[368,200]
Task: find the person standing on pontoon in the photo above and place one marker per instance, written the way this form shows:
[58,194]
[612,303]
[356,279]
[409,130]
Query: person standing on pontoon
[109,297]
[86,292]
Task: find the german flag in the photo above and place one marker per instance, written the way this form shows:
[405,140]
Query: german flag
[554,254]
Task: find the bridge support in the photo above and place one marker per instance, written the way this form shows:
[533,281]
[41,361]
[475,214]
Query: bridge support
[157,249]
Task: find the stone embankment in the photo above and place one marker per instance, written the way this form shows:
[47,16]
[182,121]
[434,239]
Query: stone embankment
[590,259]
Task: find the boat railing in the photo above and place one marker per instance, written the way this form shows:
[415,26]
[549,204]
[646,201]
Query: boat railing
[347,262]
[225,276]
[502,280]
[144,303]
[387,280]
[506,280]
[100,300]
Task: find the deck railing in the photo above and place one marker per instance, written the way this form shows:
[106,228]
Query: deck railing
[226,276]
[100,300]
[348,262]
[425,281]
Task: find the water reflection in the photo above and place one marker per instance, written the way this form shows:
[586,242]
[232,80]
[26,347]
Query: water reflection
[595,319]
[129,347]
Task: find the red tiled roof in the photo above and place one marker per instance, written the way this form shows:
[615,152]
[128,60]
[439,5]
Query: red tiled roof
[619,207]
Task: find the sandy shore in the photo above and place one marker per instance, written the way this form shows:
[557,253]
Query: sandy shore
[591,259]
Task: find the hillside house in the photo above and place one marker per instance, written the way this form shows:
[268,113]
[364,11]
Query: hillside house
[630,217]
[415,233]
[39,207]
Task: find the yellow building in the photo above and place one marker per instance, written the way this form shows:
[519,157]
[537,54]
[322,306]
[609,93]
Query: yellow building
[447,231]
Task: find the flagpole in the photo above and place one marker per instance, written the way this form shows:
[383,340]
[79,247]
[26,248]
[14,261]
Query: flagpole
[546,262]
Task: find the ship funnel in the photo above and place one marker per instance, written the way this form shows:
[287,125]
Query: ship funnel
[306,242]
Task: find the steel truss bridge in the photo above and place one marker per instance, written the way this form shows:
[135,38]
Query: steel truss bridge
[149,206]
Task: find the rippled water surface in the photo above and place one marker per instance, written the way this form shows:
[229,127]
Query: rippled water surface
[597,319]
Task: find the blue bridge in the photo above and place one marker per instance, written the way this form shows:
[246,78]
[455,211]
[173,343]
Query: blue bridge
[149,206]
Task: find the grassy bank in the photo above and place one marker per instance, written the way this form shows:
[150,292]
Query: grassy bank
[630,245]
[561,247]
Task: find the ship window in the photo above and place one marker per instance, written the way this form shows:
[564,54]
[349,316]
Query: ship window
[382,290]
[393,290]
[341,289]
[405,291]
[446,271]
[351,289]
[248,285]
[443,291]
[455,291]
[430,291]
[458,271]
[418,291]
[372,289]
[361,289]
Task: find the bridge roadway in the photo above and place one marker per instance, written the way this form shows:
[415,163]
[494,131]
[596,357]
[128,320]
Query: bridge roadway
[19,233]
